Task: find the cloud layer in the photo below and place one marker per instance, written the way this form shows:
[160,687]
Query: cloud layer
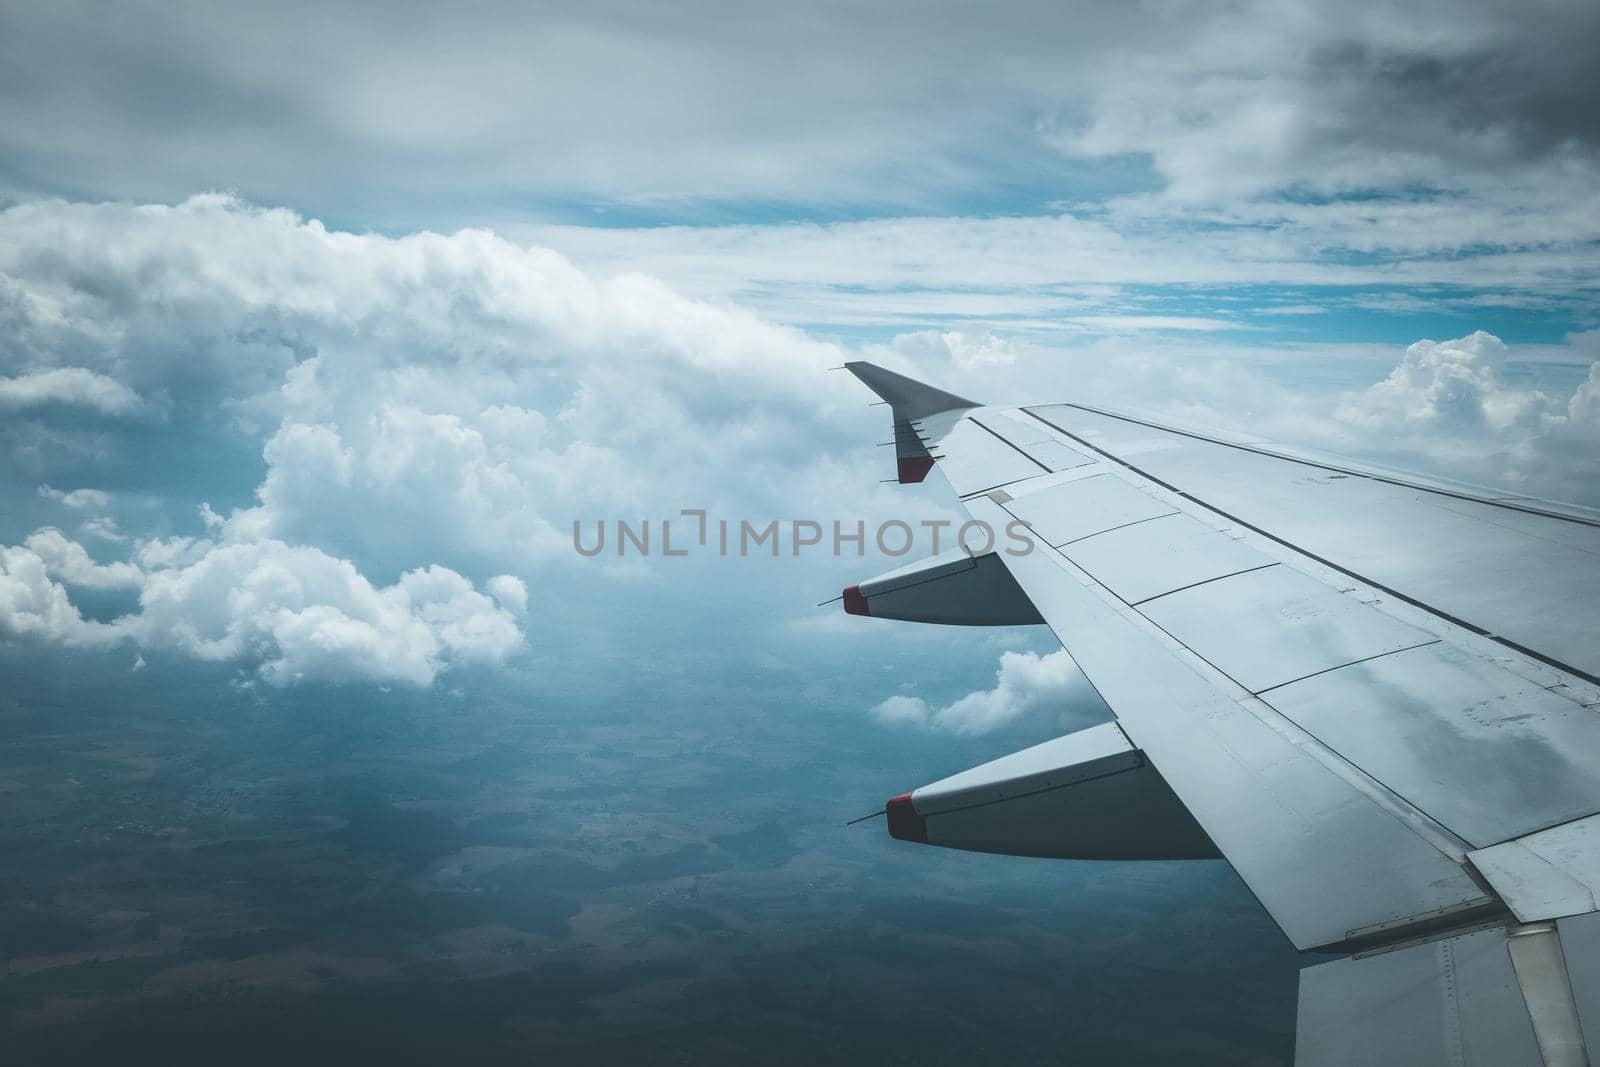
[386,439]
[841,103]
[431,411]
[292,613]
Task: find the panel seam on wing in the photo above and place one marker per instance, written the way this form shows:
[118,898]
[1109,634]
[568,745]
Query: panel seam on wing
[1420,605]
[1413,818]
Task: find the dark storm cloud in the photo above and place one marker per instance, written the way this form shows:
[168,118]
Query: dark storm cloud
[1527,83]
[393,113]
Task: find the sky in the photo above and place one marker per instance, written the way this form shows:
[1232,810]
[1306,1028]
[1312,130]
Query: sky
[322,325]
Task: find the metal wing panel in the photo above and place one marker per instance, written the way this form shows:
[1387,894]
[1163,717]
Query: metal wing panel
[1149,559]
[1532,578]
[974,460]
[1087,506]
[1057,456]
[1017,428]
[1330,861]
[1486,753]
[1451,1003]
[1547,875]
[1267,627]
[1580,939]
[1032,437]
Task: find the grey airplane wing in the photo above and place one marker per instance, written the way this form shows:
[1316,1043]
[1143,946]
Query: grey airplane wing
[1373,694]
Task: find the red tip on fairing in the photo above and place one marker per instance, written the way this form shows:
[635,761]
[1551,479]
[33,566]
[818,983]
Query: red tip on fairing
[904,822]
[913,469]
[854,602]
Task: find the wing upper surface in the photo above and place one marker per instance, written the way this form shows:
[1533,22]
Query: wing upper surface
[1376,694]
[1526,574]
[1328,859]
[1344,740]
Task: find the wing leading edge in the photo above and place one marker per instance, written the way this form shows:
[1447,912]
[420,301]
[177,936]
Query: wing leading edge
[1375,696]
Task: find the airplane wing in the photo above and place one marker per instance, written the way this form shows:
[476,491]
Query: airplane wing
[1377,696]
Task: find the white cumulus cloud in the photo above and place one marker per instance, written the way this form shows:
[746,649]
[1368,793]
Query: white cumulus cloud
[1452,388]
[305,616]
[33,607]
[433,408]
[1029,688]
[510,592]
[458,392]
[293,613]
[69,386]
[68,561]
